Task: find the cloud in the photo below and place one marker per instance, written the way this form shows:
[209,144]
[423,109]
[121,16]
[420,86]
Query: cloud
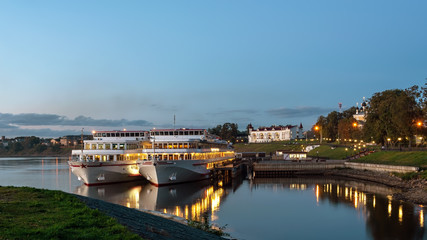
[52,125]
[299,112]
[35,119]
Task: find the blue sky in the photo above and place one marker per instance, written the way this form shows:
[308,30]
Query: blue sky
[67,65]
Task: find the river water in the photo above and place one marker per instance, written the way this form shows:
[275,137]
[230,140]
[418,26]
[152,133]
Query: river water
[269,208]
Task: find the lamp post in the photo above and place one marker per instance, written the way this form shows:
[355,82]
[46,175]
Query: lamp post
[399,139]
[319,128]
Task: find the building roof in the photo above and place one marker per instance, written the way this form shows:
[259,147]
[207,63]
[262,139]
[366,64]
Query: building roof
[275,128]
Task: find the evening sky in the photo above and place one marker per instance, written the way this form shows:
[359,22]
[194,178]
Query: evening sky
[68,65]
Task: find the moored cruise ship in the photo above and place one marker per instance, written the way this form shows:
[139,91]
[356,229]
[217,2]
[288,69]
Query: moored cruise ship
[163,157]
[109,158]
[182,155]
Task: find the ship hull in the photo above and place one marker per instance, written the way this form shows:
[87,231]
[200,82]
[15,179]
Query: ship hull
[162,173]
[98,173]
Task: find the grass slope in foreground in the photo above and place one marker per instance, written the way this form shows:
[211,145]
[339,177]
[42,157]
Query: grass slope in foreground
[29,213]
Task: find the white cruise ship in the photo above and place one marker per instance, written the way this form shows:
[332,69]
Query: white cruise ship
[109,158]
[182,155]
[164,156]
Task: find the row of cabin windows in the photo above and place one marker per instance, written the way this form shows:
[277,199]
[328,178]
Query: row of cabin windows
[121,134]
[177,133]
[130,146]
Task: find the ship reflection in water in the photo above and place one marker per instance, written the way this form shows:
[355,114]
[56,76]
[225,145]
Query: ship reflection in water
[274,208]
[384,217]
[189,201]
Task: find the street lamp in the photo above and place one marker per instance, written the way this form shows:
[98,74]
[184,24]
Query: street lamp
[319,128]
[399,139]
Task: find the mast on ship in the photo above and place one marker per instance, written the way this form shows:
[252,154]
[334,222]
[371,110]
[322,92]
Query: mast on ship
[83,146]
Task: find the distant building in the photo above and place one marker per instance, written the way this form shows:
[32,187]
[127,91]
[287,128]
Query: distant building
[274,133]
[361,114]
[54,141]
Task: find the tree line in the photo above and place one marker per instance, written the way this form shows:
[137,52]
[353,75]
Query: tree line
[392,116]
[228,131]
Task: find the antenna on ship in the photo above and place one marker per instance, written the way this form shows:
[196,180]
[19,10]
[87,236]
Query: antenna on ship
[174,119]
[83,146]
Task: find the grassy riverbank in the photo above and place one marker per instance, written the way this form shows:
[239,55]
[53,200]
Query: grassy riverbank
[29,213]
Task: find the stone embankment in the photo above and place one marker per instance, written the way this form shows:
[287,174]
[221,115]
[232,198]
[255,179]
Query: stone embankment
[148,225]
[414,191]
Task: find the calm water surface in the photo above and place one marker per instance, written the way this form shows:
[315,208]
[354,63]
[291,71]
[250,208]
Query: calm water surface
[287,208]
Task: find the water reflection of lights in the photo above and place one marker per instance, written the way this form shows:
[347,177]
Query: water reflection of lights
[317,193]
[373,202]
[211,201]
[133,200]
[422,218]
[400,214]
[389,205]
[356,199]
[298,186]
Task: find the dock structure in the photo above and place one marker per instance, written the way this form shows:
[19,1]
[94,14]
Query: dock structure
[286,168]
[232,169]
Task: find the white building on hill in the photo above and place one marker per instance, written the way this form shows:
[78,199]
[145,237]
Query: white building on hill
[274,133]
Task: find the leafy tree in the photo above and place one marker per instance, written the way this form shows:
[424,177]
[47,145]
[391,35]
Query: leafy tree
[16,147]
[30,142]
[228,131]
[41,148]
[391,114]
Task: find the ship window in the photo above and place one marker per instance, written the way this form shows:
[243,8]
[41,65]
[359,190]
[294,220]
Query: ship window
[176,133]
[157,133]
[127,134]
[185,132]
[108,134]
[162,133]
[132,134]
[181,133]
[166,133]
[191,133]
[104,134]
[122,134]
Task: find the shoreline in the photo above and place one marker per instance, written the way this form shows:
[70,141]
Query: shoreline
[413,191]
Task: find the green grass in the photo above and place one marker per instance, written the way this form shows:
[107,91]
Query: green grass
[330,152]
[29,213]
[415,158]
[268,147]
